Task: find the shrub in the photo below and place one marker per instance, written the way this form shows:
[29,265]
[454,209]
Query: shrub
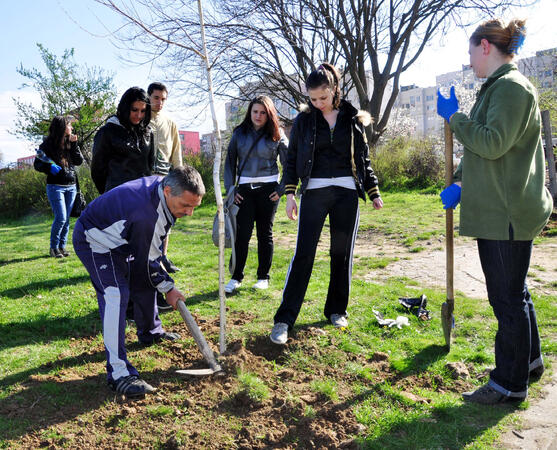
[24,191]
[406,163]
[86,184]
[426,163]
[390,163]
[203,163]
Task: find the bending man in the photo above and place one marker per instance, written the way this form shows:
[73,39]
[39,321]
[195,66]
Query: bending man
[118,238]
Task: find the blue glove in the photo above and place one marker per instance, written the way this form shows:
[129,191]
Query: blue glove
[451,196]
[54,169]
[446,107]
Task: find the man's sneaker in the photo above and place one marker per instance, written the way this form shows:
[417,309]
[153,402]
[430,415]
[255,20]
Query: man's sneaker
[167,336]
[168,265]
[486,395]
[339,320]
[164,336]
[161,303]
[64,252]
[261,284]
[131,386]
[232,285]
[536,374]
[55,253]
[279,333]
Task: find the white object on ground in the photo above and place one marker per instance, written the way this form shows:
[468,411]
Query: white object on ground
[400,321]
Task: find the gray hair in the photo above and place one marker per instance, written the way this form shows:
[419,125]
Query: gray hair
[184,178]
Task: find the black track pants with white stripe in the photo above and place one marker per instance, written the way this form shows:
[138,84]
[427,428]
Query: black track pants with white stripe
[341,205]
[110,275]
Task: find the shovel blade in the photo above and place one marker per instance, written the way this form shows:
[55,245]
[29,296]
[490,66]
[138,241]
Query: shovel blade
[197,372]
[447,321]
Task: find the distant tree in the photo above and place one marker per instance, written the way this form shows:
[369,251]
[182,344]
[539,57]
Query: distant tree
[66,88]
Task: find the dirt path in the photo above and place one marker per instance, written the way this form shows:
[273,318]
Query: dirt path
[428,266]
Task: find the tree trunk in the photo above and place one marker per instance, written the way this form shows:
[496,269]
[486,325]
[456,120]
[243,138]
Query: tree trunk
[216,182]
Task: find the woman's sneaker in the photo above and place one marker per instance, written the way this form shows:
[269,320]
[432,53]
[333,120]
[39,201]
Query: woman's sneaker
[55,253]
[279,333]
[232,285]
[339,320]
[131,386]
[261,284]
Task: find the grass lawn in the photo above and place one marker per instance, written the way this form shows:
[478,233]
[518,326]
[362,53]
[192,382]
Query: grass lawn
[362,387]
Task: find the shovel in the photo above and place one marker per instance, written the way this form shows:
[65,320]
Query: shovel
[208,354]
[447,308]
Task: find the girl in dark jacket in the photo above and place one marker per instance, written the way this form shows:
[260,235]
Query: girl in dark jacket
[328,153]
[123,149]
[57,156]
[254,148]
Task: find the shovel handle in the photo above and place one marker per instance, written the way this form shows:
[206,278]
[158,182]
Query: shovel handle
[449,228]
[197,335]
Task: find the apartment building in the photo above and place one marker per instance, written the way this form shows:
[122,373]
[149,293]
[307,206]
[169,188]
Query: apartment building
[420,104]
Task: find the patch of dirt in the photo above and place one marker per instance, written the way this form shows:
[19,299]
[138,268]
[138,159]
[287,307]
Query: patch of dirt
[205,412]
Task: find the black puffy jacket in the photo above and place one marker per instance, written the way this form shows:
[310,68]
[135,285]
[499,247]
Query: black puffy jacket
[67,175]
[120,155]
[301,151]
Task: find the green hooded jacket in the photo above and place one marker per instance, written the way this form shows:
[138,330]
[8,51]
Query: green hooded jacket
[503,166]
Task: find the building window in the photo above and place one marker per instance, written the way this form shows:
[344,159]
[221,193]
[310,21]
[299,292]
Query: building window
[429,98]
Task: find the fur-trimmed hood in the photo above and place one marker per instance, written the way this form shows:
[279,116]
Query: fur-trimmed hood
[362,116]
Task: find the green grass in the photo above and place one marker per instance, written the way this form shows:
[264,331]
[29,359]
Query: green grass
[327,388]
[51,347]
[253,387]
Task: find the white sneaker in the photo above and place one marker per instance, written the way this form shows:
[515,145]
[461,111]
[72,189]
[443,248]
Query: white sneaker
[261,284]
[232,285]
[279,333]
[339,320]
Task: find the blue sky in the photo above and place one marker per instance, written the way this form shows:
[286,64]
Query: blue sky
[62,24]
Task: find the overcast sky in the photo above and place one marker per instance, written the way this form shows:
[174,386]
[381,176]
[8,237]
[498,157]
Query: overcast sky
[63,24]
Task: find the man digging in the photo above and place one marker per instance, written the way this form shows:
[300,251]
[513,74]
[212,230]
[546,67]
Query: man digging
[118,238]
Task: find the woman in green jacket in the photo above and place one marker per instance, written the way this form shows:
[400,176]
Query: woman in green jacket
[504,202]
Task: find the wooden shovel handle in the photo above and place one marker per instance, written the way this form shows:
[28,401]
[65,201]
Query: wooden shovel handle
[449,234]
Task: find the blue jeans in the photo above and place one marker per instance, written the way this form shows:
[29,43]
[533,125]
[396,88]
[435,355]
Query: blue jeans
[517,342]
[61,200]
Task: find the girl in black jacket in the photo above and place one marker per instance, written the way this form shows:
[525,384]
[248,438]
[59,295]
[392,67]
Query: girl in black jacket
[123,149]
[328,153]
[57,156]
